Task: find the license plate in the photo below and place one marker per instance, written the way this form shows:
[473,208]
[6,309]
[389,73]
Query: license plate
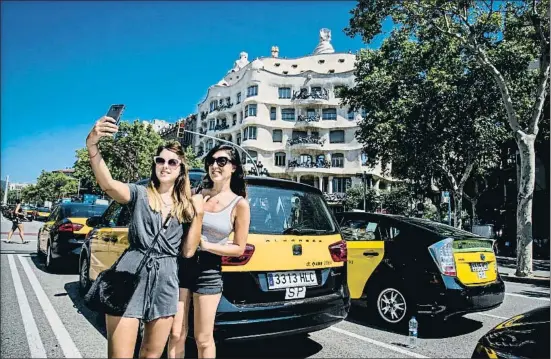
[481,275]
[281,280]
[479,267]
[295,293]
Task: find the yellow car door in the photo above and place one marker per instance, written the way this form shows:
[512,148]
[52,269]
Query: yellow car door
[46,228]
[365,251]
[119,241]
[100,241]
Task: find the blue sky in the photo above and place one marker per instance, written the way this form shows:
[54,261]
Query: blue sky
[64,63]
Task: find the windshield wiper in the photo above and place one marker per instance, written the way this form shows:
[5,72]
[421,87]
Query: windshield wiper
[293,230]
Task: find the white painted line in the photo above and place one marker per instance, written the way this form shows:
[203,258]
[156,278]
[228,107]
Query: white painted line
[528,297]
[378,343]
[491,316]
[33,336]
[65,342]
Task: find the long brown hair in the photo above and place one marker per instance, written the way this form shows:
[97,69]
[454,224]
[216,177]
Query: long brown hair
[181,196]
[237,181]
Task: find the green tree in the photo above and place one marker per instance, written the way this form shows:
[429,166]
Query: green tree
[53,186]
[500,40]
[128,155]
[355,198]
[398,200]
[192,160]
[30,194]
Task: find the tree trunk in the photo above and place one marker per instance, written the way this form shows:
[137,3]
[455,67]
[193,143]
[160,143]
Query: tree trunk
[474,201]
[458,204]
[525,197]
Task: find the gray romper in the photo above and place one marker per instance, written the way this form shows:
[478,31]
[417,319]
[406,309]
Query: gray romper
[157,293]
[202,273]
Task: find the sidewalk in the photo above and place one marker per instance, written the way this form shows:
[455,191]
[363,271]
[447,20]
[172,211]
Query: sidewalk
[507,268]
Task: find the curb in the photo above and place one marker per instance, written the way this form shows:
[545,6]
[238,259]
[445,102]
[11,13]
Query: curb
[538,280]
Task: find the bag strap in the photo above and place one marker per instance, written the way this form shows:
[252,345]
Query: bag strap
[146,255]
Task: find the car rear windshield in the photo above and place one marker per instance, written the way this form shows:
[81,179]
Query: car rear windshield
[288,211]
[82,211]
[43,209]
[195,178]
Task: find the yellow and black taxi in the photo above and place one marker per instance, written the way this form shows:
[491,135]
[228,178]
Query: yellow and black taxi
[41,213]
[400,266]
[522,336]
[64,231]
[28,211]
[291,278]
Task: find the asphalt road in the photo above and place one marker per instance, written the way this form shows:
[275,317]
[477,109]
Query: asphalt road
[43,316]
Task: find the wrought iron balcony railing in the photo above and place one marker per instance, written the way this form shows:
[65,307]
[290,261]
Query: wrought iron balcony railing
[335,197]
[308,140]
[310,164]
[221,127]
[204,115]
[303,94]
[306,118]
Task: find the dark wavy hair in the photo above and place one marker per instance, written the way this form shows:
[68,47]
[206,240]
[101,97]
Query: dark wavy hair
[237,182]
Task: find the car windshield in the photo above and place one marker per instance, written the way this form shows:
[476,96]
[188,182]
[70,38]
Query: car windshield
[195,178]
[288,211]
[82,210]
[43,209]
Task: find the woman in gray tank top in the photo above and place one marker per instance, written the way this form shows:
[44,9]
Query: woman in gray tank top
[166,202]
[226,211]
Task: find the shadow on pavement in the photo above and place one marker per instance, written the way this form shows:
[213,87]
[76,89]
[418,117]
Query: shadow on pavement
[428,328]
[534,294]
[67,266]
[299,346]
[98,321]
[538,265]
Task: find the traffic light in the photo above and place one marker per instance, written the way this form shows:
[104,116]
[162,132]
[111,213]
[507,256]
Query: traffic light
[181,127]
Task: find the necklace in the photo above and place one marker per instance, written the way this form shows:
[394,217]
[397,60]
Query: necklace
[164,203]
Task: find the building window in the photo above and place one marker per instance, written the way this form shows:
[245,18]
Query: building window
[306,159]
[336,136]
[315,134]
[253,154]
[364,113]
[250,110]
[240,117]
[284,92]
[238,97]
[234,119]
[341,184]
[364,159]
[212,124]
[337,160]
[280,159]
[277,136]
[272,113]
[210,145]
[288,114]
[213,106]
[316,89]
[249,133]
[351,115]
[329,113]
[299,134]
[310,113]
[252,90]
[238,139]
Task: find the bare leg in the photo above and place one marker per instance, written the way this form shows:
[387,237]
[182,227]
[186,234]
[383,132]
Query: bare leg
[180,326]
[10,233]
[122,334]
[155,337]
[21,230]
[204,313]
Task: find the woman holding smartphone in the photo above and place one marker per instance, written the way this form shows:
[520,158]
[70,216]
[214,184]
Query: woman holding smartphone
[164,210]
[227,211]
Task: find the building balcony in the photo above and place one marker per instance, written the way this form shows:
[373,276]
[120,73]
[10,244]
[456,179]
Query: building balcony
[335,197]
[308,121]
[308,97]
[203,131]
[308,141]
[204,115]
[221,127]
[318,164]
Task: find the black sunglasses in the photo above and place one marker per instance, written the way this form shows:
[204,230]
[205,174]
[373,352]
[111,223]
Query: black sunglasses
[220,161]
[171,162]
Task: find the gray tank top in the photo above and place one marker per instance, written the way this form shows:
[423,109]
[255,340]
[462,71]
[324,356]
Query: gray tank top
[217,226]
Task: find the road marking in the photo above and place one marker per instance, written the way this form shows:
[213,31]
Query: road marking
[491,316]
[36,346]
[378,343]
[526,296]
[65,342]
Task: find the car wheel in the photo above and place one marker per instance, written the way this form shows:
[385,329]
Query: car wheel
[38,252]
[392,305]
[84,276]
[50,262]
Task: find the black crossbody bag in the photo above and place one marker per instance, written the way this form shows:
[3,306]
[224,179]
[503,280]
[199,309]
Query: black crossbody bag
[112,290]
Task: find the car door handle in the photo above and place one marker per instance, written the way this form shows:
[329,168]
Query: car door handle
[113,239]
[371,254]
[105,238]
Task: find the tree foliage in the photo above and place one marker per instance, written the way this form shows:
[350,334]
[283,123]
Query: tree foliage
[478,61]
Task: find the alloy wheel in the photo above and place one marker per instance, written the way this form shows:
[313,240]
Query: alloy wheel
[83,275]
[391,305]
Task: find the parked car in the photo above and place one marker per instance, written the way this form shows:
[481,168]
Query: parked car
[400,267]
[28,212]
[522,336]
[291,278]
[64,231]
[41,213]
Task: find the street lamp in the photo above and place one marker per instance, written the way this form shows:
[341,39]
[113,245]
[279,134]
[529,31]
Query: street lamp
[224,141]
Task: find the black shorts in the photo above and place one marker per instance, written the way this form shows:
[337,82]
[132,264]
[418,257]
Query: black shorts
[15,224]
[201,274]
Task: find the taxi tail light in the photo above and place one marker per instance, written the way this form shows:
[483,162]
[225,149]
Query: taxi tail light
[70,227]
[442,253]
[338,251]
[241,260]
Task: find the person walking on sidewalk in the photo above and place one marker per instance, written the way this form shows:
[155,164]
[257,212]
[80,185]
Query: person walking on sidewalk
[164,218]
[227,211]
[17,223]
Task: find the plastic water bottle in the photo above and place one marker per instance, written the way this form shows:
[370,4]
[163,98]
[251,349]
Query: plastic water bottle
[412,337]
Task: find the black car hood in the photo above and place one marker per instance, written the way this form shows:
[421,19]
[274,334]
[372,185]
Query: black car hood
[525,335]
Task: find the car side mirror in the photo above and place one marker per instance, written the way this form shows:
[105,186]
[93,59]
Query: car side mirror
[93,221]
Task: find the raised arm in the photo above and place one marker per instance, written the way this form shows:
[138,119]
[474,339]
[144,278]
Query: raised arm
[241,233]
[119,191]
